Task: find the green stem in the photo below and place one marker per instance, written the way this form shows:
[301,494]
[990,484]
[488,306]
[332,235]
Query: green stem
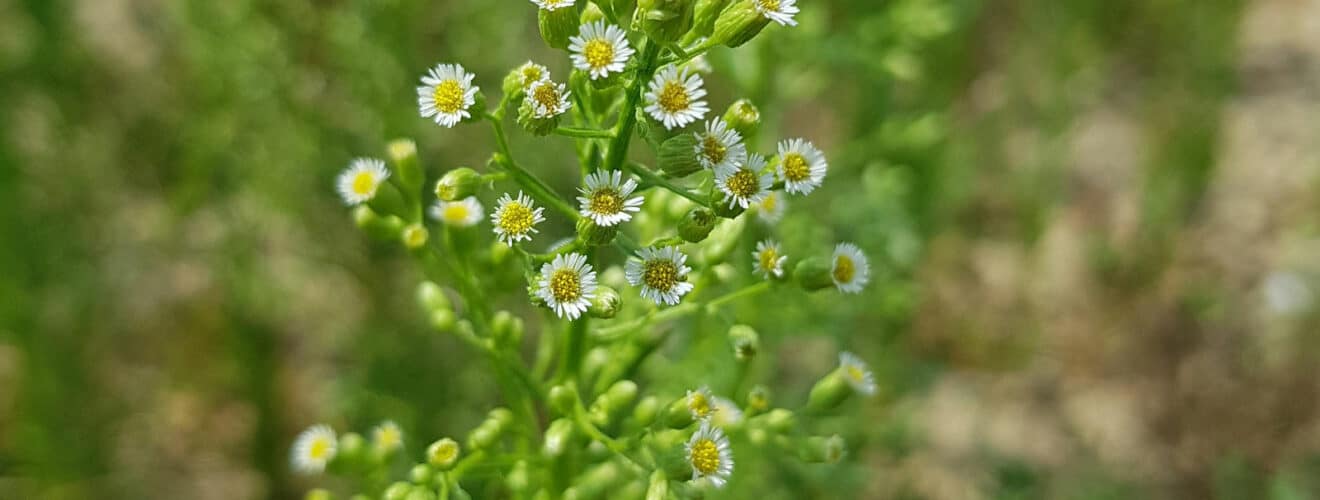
[678,311]
[628,114]
[570,362]
[650,177]
[535,186]
[584,133]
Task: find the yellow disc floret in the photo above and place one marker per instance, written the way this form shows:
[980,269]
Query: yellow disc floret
[660,274]
[769,5]
[844,269]
[743,183]
[599,53]
[705,457]
[699,405]
[713,149]
[364,183]
[566,285]
[319,449]
[769,257]
[516,218]
[606,202]
[546,95]
[674,97]
[795,167]
[448,96]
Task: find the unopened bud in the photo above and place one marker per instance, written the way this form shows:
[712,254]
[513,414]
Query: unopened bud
[443,320]
[705,13]
[415,236]
[443,454]
[563,398]
[745,342]
[610,405]
[557,437]
[591,13]
[384,228]
[818,449]
[744,117]
[664,20]
[506,328]
[519,479]
[831,391]
[659,488]
[758,399]
[646,410]
[421,474]
[678,156]
[813,274]
[318,494]
[558,25]
[352,447]
[696,225]
[779,420]
[431,297]
[403,153]
[420,494]
[457,184]
[607,303]
[739,23]
[595,235]
[398,491]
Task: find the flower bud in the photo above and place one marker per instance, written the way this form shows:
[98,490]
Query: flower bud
[590,14]
[457,184]
[595,235]
[779,420]
[403,153]
[664,20]
[607,303]
[646,410]
[398,491]
[745,118]
[557,437]
[758,399]
[421,474]
[458,493]
[813,274]
[696,225]
[739,23]
[745,342]
[352,448]
[415,236]
[558,25]
[599,480]
[818,449]
[831,391]
[420,494]
[443,454]
[519,479]
[594,362]
[705,13]
[563,398]
[659,488]
[506,328]
[318,494]
[678,156]
[727,210]
[384,228]
[609,406]
[443,320]
[431,297]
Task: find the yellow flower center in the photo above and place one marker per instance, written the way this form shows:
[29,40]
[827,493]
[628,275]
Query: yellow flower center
[546,95]
[531,74]
[456,212]
[599,53]
[320,449]
[387,438]
[795,167]
[705,457]
[674,97]
[364,183]
[769,202]
[769,258]
[660,274]
[856,373]
[699,405]
[565,285]
[769,5]
[516,218]
[606,201]
[448,96]
[844,269]
[445,452]
[713,149]
[743,183]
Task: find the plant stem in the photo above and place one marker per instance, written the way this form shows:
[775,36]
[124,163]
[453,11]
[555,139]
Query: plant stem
[679,311]
[584,133]
[628,114]
[535,186]
[574,344]
[649,176]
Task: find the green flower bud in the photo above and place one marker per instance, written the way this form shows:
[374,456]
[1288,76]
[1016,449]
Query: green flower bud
[558,25]
[813,274]
[421,474]
[382,228]
[727,210]
[590,14]
[518,479]
[458,493]
[352,447]
[779,420]
[659,488]
[646,410]
[705,13]
[499,253]
[745,342]
[403,153]
[607,303]
[595,235]
[831,391]
[398,491]
[664,20]
[597,481]
[745,118]
[739,23]
[696,225]
[594,362]
[318,494]
[443,454]
[563,398]
[483,436]
[557,437]
[443,320]
[531,123]
[758,399]
[457,184]
[415,236]
[506,328]
[420,494]
[432,297]
[678,156]
[817,449]
[609,406]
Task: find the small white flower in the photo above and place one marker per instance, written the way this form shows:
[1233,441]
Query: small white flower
[600,49]
[701,403]
[313,449]
[567,285]
[720,145]
[462,213]
[780,11]
[516,219]
[446,94]
[769,261]
[801,166]
[710,456]
[727,413]
[674,98]
[856,373]
[745,185]
[387,437]
[772,207]
[548,99]
[605,199]
[359,182]
[554,4]
[530,73]
[661,273]
[850,270]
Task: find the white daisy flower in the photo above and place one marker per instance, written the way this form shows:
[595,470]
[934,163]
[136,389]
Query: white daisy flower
[701,403]
[661,273]
[744,185]
[387,437]
[446,94]
[769,261]
[549,99]
[359,182]
[780,11]
[850,270]
[720,145]
[727,413]
[801,166]
[772,207]
[530,73]
[674,98]
[462,213]
[710,456]
[600,49]
[313,449]
[605,199]
[555,4]
[567,285]
[515,219]
[856,373]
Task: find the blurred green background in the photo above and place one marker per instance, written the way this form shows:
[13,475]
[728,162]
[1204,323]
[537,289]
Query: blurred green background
[1094,225]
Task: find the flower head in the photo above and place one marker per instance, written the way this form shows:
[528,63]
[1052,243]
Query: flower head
[313,449]
[701,403]
[600,49]
[772,207]
[801,166]
[446,94]
[720,145]
[556,4]
[850,269]
[674,98]
[567,285]
[709,454]
[515,219]
[548,99]
[769,261]
[531,72]
[856,373]
[605,199]
[387,437]
[727,412]
[744,185]
[462,213]
[359,182]
[780,11]
[661,273]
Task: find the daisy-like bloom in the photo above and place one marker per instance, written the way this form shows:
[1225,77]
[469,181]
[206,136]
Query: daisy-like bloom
[567,285]
[462,213]
[780,11]
[531,72]
[769,261]
[801,166]
[850,270]
[387,437]
[548,99]
[446,94]
[359,182]
[727,412]
[605,199]
[556,4]
[600,49]
[515,219]
[701,403]
[720,145]
[745,185]
[662,274]
[674,98]
[710,456]
[856,373]
[772,207]
[313,449]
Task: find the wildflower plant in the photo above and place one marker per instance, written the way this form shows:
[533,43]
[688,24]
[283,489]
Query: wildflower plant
[653,244]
